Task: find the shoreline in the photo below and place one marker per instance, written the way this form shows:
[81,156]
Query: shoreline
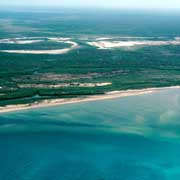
[57,102]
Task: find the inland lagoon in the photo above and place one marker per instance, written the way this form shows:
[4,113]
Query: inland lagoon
[127,138]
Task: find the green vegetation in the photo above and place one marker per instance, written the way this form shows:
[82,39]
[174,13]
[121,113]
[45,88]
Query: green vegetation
[126,69]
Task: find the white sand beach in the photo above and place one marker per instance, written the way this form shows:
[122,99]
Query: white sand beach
[108,95]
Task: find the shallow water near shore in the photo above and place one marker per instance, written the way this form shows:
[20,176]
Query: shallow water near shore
[135,137]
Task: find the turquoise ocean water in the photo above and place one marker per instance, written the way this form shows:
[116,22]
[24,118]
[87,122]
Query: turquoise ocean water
[131,138]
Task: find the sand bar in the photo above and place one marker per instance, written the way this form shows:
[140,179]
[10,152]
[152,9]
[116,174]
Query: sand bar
[72,44]
[120,44]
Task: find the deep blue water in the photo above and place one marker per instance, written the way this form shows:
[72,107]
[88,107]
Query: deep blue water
[131,138]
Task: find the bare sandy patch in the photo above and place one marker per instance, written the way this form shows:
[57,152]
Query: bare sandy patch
[61,85]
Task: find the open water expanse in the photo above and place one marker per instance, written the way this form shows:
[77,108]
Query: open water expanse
[131,138]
